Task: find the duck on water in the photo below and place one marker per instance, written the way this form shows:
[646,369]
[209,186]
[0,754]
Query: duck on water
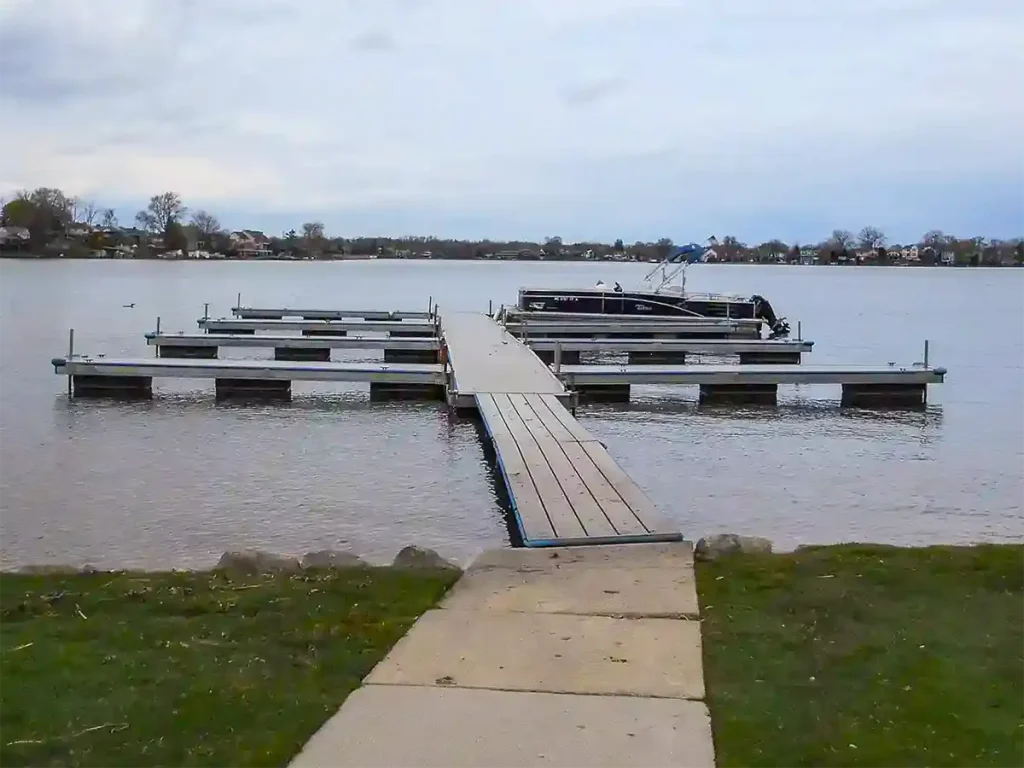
[660,295]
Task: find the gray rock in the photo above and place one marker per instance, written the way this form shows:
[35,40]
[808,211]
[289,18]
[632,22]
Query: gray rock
[416,557]
[54,569]
[331,558]
[257,561]
[714,547]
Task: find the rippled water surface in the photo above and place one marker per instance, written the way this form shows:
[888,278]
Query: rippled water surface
[175,481]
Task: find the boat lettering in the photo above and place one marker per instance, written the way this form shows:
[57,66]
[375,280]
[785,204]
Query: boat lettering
[643,308]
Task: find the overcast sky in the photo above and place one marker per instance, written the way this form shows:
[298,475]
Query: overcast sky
[589,119]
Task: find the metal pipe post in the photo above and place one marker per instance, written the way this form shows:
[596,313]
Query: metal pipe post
[799,331]
[926,353]
[430,305]
[206,311]
[71,353]
[558,358]
[238,301]
[490,308]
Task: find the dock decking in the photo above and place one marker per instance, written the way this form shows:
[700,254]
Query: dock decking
[260,313]
[564,487]
[298,342]
[485,359]
[338,327]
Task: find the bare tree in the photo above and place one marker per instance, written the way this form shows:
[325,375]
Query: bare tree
[871,237]
[313,231]
[842,239]
[108,219]
[163,210]
[88,211]
[206,224]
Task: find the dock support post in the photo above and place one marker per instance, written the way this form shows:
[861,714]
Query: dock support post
[656,357]
[206,311]
[238,301]
[254,389]
[770,358]
[71,353]
[187,351]
[558,358]
[323,332]
[926,353]
[121,387]
[386,390]
[303,354]
[430,306]
[739,394]
[885,395]
[603,393]
[410,355]
[490,308]
[799,332]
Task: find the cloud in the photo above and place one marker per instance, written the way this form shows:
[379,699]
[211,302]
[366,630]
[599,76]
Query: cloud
[590,118]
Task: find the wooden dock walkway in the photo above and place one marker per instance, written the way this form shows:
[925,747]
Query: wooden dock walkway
[564,487]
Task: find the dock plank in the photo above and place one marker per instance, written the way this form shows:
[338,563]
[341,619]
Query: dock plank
[558,412]
[531,517]
[626,487]
[625,521]
[588,511]
[560,511]
[529,404]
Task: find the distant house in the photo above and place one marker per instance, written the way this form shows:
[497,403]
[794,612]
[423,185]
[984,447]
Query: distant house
[14,238]
[250,244]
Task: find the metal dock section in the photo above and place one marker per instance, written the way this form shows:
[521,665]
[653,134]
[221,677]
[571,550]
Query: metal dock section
[260,313]
[323,327]
[564,487]
[486,359]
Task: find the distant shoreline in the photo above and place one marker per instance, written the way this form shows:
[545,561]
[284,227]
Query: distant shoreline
[597,260]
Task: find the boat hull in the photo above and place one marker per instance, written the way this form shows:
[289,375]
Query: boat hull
[636,303]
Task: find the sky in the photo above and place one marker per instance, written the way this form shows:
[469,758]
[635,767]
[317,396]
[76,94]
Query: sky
[586,119]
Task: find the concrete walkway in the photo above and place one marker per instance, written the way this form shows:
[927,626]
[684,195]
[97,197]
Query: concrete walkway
[586,656]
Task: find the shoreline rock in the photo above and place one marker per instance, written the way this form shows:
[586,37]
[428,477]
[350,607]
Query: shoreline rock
[722,544]
[421,557]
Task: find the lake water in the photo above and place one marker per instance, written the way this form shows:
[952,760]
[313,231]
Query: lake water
[175,481]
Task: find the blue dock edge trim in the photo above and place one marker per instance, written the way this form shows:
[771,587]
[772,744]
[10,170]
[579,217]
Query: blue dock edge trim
[504,477]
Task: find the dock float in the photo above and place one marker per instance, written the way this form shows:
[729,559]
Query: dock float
[750,351]
[259,313]
[486,359]
[103,377]
[406,328]
[758,384]
[564,487]
[671,328]
[207,345]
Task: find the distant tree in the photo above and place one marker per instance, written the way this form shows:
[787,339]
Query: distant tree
[664,247]
[1018,251]
[842,239]
[206,224]
[936,238]
[108,219]
[163,210]
[553,244]
[795,253]
[313,237]
[45,212]
[175,237]
[871,237]
[618,247]
[87,212]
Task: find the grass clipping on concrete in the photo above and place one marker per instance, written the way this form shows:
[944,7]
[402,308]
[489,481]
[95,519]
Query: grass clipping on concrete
[866,656]
[191,668]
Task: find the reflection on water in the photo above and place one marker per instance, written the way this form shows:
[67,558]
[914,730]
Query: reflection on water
[176,480]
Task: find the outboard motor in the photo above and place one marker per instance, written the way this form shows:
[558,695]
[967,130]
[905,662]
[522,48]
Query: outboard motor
[778,326]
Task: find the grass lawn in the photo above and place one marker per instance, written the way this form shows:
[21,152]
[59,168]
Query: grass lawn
[866,656]
[190,668]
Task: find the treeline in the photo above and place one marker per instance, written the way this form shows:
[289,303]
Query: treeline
[48,219]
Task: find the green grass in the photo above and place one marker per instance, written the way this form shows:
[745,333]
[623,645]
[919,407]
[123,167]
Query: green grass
[866,656]
[190,668]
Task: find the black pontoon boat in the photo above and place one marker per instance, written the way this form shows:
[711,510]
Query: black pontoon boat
[658,297]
